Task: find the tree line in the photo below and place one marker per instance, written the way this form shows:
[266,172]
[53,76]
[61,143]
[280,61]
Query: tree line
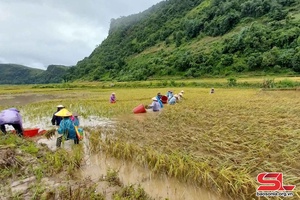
[194,38]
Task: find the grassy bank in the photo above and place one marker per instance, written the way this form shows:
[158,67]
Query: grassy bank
[227,82]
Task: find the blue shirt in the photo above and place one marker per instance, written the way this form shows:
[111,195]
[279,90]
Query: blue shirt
[172,101]
[66,127]
[159,101]
[170,96]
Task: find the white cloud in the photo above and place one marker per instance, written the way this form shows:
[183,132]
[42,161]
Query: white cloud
[38,33]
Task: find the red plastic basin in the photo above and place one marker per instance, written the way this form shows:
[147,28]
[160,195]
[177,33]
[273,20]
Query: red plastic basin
[139,109]
[164,99]
[30,132]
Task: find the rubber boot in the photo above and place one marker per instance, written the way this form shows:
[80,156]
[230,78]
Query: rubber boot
[58,141]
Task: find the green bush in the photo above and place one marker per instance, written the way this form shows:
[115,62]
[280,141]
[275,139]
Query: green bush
[232,81]
[287,84]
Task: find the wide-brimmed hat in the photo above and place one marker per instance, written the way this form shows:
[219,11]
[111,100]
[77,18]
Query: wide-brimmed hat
[182,91]
[63,113]
[154,99]
[113,93]
[60,106]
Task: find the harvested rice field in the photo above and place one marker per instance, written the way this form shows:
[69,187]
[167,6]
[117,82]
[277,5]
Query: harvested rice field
[219,142]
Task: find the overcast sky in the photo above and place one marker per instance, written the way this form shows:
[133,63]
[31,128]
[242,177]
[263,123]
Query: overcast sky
[37,33]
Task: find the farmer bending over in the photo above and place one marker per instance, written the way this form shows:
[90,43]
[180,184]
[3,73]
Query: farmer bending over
[66,128]
[173,100]
[158,97]
[56,119]
[180,96]
[112,98]
[170,95]
[155,105]
[11,117]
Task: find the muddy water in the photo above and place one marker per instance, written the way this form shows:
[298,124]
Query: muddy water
[90,121]
[158,187]
[17,100]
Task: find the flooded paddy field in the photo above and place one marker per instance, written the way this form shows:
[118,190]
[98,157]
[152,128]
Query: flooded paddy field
[204,147]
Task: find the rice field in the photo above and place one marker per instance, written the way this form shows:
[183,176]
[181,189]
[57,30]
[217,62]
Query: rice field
[220,142]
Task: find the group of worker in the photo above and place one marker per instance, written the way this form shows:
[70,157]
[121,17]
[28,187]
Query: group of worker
[173,98]
[67,123]
[170,98]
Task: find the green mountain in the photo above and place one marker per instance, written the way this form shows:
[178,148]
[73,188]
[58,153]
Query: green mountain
[194,38]
[19,74]
[54,74]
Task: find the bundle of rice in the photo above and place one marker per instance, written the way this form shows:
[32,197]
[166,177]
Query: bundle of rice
[50,133]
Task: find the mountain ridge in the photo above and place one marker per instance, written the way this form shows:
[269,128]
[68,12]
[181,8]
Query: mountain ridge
[21,74]
[234,37]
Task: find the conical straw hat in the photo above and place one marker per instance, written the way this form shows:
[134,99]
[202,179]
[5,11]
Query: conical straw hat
[154,99]
[63,113]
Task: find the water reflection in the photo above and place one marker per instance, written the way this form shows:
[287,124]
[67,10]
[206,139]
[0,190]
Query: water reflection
[17,100]
[45,122]
[158,187]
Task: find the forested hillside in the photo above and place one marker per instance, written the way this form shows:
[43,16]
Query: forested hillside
[194,38]
[19,74]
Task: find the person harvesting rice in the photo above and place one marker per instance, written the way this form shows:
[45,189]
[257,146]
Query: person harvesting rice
[66,128]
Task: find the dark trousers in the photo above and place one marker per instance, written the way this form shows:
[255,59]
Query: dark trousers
[17,127]
[59,140]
